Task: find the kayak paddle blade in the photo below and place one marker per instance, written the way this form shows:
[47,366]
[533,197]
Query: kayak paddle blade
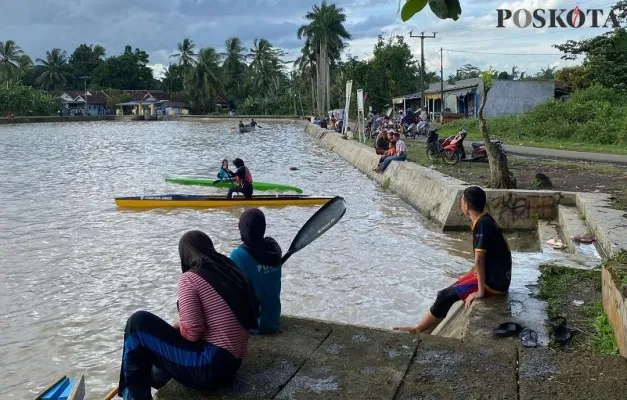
[323,220]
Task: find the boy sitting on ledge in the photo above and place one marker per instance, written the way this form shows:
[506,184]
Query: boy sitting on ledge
[491,274]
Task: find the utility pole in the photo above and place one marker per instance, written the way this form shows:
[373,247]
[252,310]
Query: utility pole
[85,79]
[441,84]
[422,63]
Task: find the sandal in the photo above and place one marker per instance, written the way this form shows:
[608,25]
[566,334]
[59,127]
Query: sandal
[529,338]
[556,244]
[507,329]
[562,334]
[585,239]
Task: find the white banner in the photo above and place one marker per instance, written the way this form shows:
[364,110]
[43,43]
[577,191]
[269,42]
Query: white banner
[360,99]
[349,87]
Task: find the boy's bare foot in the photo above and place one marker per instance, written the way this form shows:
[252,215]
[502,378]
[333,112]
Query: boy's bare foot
[408,329]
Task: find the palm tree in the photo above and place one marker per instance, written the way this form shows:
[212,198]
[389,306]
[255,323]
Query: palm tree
[266,66]
[203,83]
[306,65]
[53,74]
[234,66]
[327,37]
[186,54]
[13,61]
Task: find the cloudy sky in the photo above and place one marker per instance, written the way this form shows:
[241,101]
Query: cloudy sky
[157,25]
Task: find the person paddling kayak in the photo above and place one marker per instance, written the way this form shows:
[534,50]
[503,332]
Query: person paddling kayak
[223,173]
[243,178]
[259,258]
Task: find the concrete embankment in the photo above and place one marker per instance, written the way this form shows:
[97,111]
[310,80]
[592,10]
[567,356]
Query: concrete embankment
[317,360]
[437,196]
[32,120]
[234,119]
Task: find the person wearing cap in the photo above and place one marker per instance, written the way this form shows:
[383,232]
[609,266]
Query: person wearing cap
[244,180]
[401,153]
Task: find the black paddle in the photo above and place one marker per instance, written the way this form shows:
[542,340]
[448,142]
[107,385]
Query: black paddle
[327,216]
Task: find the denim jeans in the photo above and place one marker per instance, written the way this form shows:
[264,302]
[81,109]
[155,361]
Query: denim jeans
[389,159]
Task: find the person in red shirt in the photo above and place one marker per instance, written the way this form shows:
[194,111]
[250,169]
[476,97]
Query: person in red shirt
[244,180]
[217,307]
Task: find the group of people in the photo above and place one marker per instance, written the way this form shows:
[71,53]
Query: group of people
[389,145]
[223,300]
[253,123]
[328,122]
[242,179]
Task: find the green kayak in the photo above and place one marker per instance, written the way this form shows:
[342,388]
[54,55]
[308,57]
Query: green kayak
[206,181]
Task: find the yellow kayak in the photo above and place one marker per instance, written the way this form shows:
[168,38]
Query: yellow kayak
[210,201]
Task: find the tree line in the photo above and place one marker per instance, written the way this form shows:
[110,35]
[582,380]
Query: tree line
[258,80]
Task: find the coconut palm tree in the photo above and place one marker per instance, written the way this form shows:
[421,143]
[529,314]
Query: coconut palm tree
[53,74]
[234,65]
[13,61]
[203,83]
[186,55]
[306,65]
[327,37]
[266,66]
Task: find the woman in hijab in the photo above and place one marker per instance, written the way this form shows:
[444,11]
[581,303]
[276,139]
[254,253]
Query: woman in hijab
[217,307]
[244,180]
[259,258]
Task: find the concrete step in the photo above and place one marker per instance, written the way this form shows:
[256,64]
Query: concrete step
[573,223]
[548,230]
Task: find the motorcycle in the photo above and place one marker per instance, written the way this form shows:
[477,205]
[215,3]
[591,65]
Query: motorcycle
[368,131]
[454,152]
[424,129]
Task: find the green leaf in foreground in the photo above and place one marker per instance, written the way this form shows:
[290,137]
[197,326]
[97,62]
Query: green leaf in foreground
[411,8]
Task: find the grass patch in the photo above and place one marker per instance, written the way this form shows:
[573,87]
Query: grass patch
[386,183]
[617,266]
[559,286]
[603,339]
[591,120]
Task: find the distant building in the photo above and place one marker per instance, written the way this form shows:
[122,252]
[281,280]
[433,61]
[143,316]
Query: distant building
[79,102]
[153,102]
[463,98]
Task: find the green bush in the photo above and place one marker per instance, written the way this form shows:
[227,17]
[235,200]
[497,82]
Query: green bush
[597,115]
[26,101]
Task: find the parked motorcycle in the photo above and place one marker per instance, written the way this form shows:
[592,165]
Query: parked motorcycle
[454,152]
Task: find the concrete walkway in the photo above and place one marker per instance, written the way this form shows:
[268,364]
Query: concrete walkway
[541,152]
[318,360]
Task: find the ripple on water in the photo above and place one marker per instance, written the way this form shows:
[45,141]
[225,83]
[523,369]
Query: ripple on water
[74,267]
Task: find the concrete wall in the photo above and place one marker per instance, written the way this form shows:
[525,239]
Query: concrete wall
[615,306]
[83,118]
[608,225]
[517,97]
[436,195]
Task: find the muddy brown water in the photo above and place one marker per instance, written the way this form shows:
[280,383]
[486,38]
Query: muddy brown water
[74,267]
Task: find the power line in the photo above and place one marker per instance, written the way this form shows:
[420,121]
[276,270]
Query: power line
[503,54]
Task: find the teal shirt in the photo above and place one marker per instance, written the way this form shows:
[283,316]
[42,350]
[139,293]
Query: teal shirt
[266,282]
[223,175]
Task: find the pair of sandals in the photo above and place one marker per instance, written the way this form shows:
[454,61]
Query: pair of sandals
[528,337]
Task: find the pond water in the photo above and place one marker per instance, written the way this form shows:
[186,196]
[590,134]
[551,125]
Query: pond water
[74,267]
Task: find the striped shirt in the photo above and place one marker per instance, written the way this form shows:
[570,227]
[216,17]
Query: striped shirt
[401,147]
[205,315]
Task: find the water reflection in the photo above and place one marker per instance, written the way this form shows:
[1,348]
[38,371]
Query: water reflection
[74,267]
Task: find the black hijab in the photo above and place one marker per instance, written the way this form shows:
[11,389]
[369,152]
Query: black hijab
[238,162]
[200,257]
[252,227]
